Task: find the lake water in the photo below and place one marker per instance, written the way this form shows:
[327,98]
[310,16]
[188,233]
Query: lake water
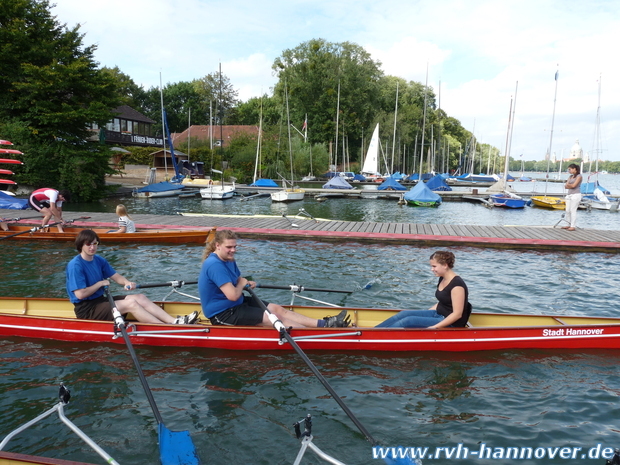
[240,406]
[380,210]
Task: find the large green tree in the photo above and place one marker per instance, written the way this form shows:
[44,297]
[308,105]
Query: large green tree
[51,85]
[322,78]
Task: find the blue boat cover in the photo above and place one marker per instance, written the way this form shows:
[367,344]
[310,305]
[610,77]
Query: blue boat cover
[391,184]
[164,186]
[426,176]
[359,177]
[337,182]
[412,177]
[438,184]
[589,187]
[264,183]
[421,193]
[9,202]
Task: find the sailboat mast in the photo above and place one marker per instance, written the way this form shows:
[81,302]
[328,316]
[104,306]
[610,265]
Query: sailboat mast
[423,123]
[337,120]
[507,148]
[394,137]
[548,157]
[597,134]
[258,147]
[163,123]
[288,120]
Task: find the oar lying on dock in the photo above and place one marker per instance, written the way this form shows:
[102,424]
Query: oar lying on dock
[175,447]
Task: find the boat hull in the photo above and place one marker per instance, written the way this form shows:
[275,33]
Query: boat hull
[553,203]
[9,458]
[417,203]
[288,195]
[508,202]
[217,192]
[171,236]
[54,319]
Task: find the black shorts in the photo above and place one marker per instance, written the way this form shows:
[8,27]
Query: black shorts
[38,205]
[246,314]
[96,309]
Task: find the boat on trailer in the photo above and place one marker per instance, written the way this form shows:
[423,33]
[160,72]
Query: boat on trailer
[142,235]
[42,318]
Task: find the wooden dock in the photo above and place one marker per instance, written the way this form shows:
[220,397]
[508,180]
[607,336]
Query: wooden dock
[436,235]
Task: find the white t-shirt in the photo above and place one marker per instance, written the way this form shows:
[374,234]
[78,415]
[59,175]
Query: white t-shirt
[129,224]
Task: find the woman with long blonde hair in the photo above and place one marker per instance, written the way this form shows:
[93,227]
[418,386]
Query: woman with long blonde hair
[221,286]
[125,223]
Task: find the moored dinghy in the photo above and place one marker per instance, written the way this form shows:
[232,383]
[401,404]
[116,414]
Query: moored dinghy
[421,196]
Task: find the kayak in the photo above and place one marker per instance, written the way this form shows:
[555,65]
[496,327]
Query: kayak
[174,236]
[55,319]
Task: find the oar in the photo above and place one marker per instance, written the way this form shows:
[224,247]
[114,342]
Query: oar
[175,447]
[38,228]
[279,326]
[296,288]
[165,284]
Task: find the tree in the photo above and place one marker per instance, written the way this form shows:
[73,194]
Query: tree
[313,72]
[50,81]
[128,92]
[217,95]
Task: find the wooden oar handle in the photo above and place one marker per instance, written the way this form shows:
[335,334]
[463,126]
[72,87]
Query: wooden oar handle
[296,288]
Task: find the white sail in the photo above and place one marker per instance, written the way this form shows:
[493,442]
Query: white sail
[371,163]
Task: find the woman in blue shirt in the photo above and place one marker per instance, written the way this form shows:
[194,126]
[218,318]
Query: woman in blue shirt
[221,292]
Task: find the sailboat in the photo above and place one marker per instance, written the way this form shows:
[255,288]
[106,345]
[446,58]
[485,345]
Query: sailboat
[508,199]
[215,192]
[291,193]
[596,195]
[170,188]
[545,201]
[371,162]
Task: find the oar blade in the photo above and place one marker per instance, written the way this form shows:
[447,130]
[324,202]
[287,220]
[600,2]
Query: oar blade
[176,447]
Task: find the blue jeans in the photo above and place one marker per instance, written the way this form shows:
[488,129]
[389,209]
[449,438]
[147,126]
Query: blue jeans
[412,319]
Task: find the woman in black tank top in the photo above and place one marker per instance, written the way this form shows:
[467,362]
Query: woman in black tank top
[452,307]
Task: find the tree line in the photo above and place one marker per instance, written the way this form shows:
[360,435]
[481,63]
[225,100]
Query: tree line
[53,90]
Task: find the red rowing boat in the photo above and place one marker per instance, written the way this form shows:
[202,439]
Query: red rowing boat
[11,152]
[170,236]
[55,319]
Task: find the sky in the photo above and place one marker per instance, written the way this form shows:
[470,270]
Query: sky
[480,55]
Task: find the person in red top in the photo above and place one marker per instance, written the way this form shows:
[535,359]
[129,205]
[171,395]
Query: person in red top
[48,202]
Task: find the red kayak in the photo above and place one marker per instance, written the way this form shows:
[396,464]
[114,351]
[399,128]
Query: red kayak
[6,172]
[7,181]
[11,152]
[5,142]
[10,160]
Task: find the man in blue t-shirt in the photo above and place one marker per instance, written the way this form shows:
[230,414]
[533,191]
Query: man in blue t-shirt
[87,276]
